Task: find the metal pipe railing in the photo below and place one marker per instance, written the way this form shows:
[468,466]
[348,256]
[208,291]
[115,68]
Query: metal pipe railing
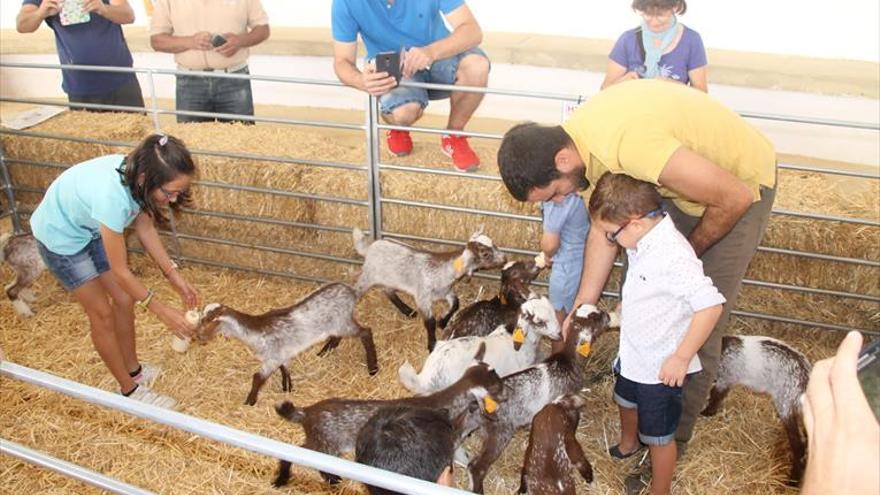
[230,436]
[69,469]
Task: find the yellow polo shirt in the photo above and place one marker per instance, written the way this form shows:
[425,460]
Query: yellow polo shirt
[635,126]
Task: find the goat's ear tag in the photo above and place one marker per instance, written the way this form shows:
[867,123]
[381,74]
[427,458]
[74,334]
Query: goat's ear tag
[584,349]
[503,299]
[519,336]
[490,404]
[458,265]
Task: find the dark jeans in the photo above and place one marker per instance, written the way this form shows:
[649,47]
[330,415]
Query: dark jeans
[128,95]
[214,94]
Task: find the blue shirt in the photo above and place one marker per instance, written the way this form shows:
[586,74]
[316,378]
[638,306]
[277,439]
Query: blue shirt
[388,27]
[569,219]
[97,42]
[688,55]
[79,201]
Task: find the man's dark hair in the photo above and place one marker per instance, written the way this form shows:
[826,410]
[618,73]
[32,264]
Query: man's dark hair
[652,6]
[160,159]
[412,441]
[527,157]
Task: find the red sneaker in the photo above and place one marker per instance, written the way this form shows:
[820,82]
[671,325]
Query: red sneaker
[457,148]
[399,143]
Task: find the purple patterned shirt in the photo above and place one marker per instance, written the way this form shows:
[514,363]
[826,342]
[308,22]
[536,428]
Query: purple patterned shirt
[688,55]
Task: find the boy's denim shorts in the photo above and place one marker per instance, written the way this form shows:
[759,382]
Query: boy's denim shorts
[74,270]
[440,72]
[565,278]
[659,408]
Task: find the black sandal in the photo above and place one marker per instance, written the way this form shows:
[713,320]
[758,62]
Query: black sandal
[616,453]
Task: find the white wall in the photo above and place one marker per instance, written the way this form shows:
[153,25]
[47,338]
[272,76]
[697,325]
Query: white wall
[845,29]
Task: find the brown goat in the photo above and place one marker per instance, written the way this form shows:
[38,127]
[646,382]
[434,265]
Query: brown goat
[332,425]
[553,450]
[19,251]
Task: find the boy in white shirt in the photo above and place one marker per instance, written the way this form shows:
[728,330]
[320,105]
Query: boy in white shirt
[669,307]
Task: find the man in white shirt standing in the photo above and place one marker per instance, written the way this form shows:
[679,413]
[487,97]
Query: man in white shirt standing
[669,307]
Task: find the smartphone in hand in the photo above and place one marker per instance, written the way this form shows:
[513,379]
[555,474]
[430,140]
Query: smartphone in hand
[389,62]
[217,41]
[73,12]
[869,374]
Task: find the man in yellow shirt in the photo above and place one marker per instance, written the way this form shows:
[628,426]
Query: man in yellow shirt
[716,173]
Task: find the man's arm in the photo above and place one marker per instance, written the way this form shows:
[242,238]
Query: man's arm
[30,16]
[466,34]
[345,66]
[118,11]
[550,243]
[168,43]
[726,197]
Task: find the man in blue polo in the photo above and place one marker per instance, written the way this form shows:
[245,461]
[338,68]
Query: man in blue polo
[430,54]
[93,37]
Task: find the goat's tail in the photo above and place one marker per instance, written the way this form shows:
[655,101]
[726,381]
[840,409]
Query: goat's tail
[361,243]
[409,378]
[4,240]
[290,412]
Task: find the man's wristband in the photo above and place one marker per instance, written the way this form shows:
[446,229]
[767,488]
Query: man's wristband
[174,266]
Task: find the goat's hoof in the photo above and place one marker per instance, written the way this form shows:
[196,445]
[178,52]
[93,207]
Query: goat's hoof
[250,402]
[279,482]
[331,479]
[708,412]
[373,371]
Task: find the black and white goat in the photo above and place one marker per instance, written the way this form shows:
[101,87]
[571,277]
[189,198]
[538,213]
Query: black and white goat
[424,275]
[769,366]
[280,334]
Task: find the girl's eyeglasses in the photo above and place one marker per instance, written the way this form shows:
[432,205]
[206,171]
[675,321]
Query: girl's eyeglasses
[171,196]
[612,236]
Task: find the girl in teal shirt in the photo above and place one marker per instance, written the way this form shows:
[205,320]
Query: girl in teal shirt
[79,225]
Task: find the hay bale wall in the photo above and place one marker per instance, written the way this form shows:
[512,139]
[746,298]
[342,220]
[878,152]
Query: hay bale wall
[742,450]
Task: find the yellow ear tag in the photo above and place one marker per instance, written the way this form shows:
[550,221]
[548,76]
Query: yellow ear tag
[519,336]
[584,349]
[503,299]
[491,405]
[458,265]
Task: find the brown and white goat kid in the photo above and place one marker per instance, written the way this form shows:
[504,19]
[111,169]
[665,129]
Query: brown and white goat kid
[504,352]
[19,251]
[553,450]
[529,390]
[424,275]
[332,425]
[278,335]
[769,366]
[483,317]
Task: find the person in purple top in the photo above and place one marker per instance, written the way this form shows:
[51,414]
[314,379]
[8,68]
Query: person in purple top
[661,47]
[88,33]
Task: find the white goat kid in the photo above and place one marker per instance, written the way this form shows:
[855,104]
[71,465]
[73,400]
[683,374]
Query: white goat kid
[506,353]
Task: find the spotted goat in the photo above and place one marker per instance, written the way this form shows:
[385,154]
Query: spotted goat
[19,251]
[426,276]
[769,366]
[276,336]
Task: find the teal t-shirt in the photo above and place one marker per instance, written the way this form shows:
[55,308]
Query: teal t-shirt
[81,199]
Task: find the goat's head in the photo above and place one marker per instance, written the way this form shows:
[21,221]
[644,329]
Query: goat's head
[536,319]
[571,405]
[588,324]
[210,323]
[484,253]
[515,279]
[483,384]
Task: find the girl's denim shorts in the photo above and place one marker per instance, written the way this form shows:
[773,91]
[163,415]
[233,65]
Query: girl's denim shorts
[76,269]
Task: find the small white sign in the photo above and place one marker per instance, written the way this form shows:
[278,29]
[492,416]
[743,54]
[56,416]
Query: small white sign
[32,117]
[568,107]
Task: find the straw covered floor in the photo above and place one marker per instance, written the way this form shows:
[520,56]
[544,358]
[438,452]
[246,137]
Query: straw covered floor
[742,450]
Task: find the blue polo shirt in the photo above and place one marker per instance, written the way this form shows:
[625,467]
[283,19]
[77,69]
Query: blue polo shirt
[388,27]
[79,201]
[97,42]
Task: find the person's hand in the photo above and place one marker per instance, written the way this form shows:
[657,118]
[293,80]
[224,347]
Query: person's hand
[629,75]
[231,47]
[201,41]
[416,59]
[188,293]
[377,83]
[673,371]
[173,319]
[49,8]
[96,6]
[843,434]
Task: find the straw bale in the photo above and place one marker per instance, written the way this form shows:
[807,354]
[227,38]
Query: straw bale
[742,450]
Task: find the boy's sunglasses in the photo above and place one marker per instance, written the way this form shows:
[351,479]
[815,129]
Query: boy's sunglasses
[612,237]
